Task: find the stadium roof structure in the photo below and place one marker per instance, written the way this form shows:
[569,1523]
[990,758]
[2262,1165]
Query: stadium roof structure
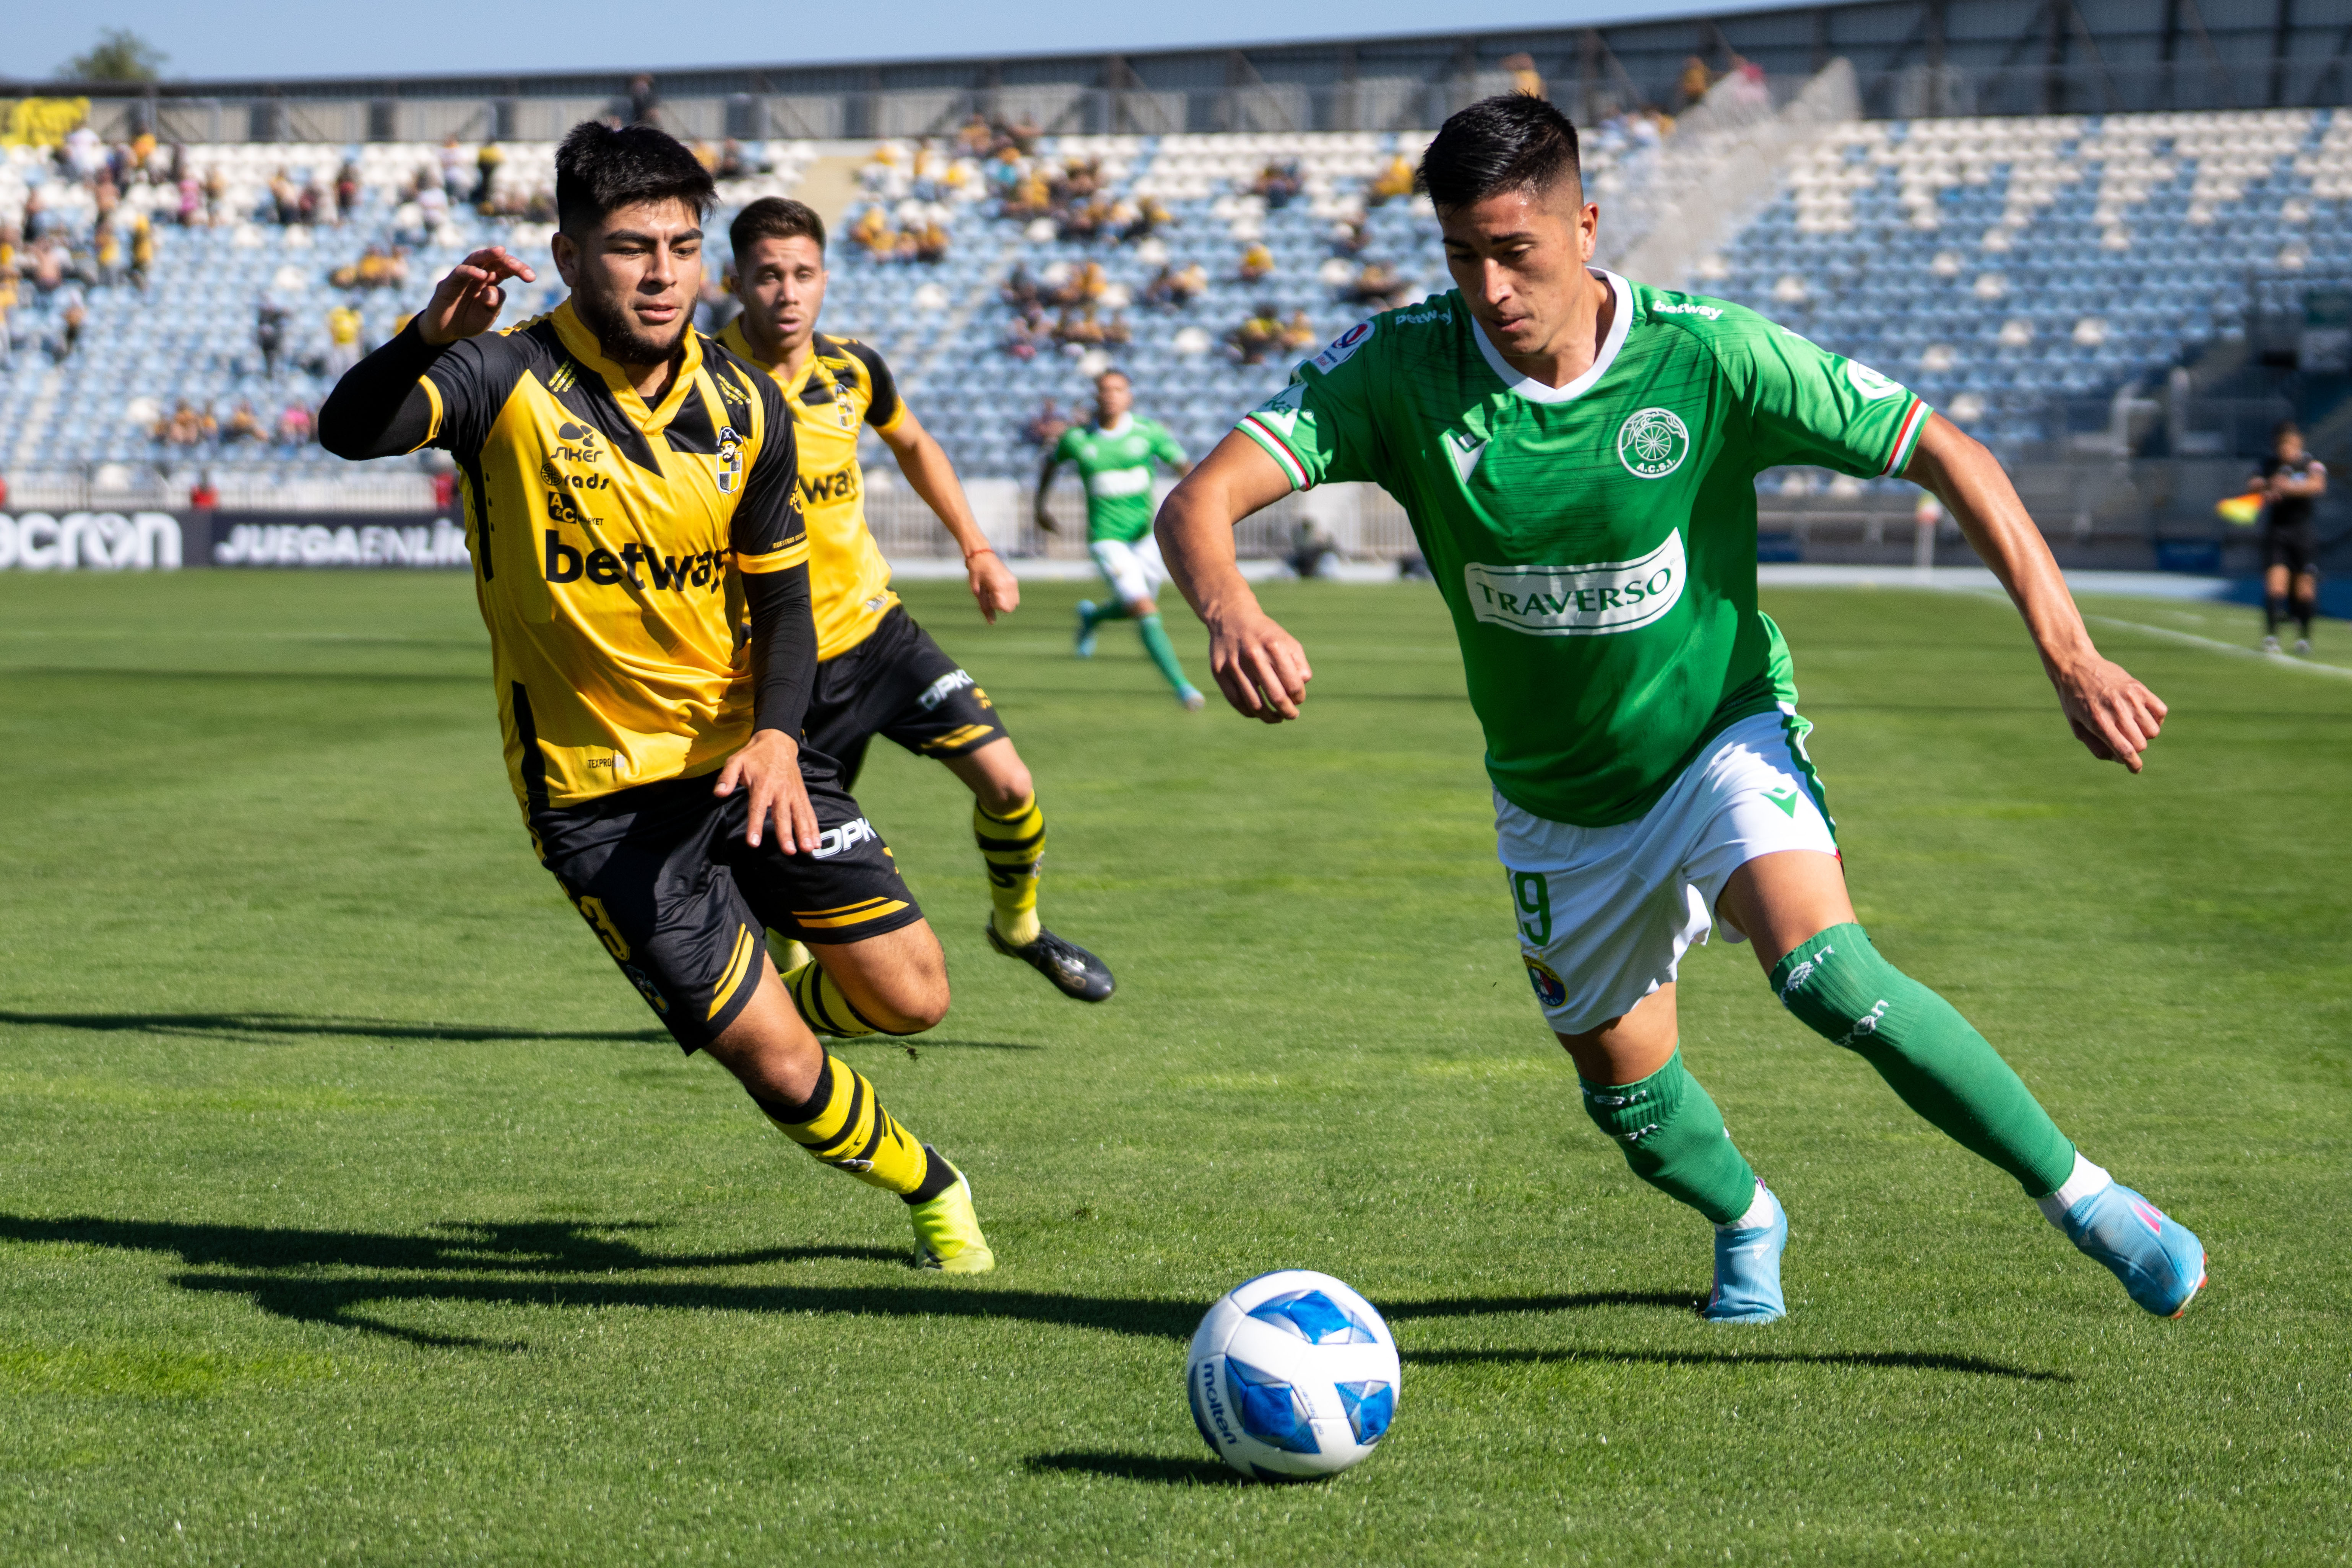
[1913,58]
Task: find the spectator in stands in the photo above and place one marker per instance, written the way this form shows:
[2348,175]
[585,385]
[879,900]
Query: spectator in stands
[1524,78]
[1021,336]
[1379,284]
[1694,82]
[1152,215]
[70,325]
[242,424]
[1278,183]
[1258,336]
[269,335]
[347,189]
[143,250]
[342,340]
[1393,181]
[106,247]
[732,164]
[190,209]
[454,183]
[1298,333]
[931,244]
[1312,549]
[871,232]
[204,495]
[294,425]
[1025,133]
[1257,262]
[485,173]
[1019,289]
[644,104]
[1350,237]
[1086,284]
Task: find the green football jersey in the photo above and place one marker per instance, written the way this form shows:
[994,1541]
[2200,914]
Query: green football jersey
[1117,467]
[1596,542]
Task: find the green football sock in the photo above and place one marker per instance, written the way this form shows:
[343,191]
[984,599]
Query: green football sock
[1926,1052]
[1164,652]
[1675,1138]
[1109,610]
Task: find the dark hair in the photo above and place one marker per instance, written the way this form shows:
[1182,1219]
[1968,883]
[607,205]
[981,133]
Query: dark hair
[1110,370]
[773,217]
[1513,142]
[599,170]
[2284,428]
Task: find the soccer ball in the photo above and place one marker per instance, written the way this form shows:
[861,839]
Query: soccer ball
[1291,1375]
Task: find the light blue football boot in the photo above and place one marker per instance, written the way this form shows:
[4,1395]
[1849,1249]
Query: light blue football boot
[1748,1272]
[2159,1260]
[1086,648]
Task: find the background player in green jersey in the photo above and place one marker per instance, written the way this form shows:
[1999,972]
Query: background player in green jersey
[1578,456]
[1114,455]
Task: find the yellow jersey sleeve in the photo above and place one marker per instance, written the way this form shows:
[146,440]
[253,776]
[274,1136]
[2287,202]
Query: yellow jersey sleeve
[767,532]
[884,409]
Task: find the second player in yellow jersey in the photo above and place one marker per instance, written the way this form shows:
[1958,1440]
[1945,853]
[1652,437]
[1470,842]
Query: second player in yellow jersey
[879,672]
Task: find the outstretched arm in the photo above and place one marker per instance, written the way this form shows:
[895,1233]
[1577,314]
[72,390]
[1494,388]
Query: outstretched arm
[1259,667]
[379,409]
[2111,713]
[925,463]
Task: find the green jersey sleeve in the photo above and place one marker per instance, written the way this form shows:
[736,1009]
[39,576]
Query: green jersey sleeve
[1320,428]
[1806,405]
[1164,445]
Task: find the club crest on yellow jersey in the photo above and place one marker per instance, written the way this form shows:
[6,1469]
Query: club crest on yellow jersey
[731,460]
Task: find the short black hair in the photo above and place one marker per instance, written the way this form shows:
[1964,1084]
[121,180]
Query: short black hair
[2283,430]
[1513,142]
[773,217]
[599,169]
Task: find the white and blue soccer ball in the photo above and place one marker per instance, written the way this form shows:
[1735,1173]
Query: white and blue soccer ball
[1292,1376]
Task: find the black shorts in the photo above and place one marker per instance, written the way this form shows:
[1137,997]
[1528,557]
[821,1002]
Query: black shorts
[2296,549]
[661,874]
[901,684]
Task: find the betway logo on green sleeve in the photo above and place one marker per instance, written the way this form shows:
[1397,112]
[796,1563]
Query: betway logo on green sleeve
[1579,601]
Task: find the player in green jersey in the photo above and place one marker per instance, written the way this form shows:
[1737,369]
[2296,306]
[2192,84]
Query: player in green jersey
[1578,456]
[1114,455]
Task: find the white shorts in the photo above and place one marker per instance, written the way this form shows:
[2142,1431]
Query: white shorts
[1605,914]
[1133,571]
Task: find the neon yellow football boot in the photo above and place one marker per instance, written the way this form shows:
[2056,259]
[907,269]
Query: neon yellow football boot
[947,1232]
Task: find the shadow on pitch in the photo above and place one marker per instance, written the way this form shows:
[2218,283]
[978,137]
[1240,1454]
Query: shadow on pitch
[239,1025]
[1915,1361]
[573,1263]
[1148,1468]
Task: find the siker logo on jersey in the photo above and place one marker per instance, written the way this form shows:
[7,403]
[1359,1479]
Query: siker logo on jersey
[1652,443]
[1594,600]
[1345,344]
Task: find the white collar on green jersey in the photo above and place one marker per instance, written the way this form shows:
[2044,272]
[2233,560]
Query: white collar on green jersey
[1534,391]
[1126,423]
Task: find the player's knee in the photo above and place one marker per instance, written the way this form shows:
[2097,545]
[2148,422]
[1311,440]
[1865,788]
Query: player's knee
[1005,789]
[913,1003]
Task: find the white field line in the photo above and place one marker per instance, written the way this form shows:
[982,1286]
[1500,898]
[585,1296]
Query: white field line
[2285,661]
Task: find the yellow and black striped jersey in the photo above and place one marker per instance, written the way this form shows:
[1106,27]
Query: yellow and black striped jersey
[607,536]
[844,386]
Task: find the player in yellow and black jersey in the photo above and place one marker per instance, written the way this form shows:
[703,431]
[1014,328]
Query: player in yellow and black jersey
[879,673]
[632,506]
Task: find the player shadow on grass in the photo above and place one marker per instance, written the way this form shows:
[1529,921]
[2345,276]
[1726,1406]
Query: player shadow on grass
[232,1026]
[576,1263]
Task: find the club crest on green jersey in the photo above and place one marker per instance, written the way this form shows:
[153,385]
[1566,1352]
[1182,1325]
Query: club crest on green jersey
[1652,443]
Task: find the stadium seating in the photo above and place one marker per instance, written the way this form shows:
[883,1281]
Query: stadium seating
[1993,263]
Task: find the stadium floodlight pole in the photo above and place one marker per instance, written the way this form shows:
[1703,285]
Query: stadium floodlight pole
[1578,454]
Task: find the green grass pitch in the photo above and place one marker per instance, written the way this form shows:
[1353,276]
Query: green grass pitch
[352,1209]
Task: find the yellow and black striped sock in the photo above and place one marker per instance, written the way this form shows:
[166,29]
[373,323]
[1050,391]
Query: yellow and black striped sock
[1013,845]
[825,1007]
[842,1124]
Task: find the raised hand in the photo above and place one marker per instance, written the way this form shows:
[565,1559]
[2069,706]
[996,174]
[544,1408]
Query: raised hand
[467,302]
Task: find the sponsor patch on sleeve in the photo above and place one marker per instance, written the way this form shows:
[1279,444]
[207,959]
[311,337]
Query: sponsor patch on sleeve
[1337,353]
